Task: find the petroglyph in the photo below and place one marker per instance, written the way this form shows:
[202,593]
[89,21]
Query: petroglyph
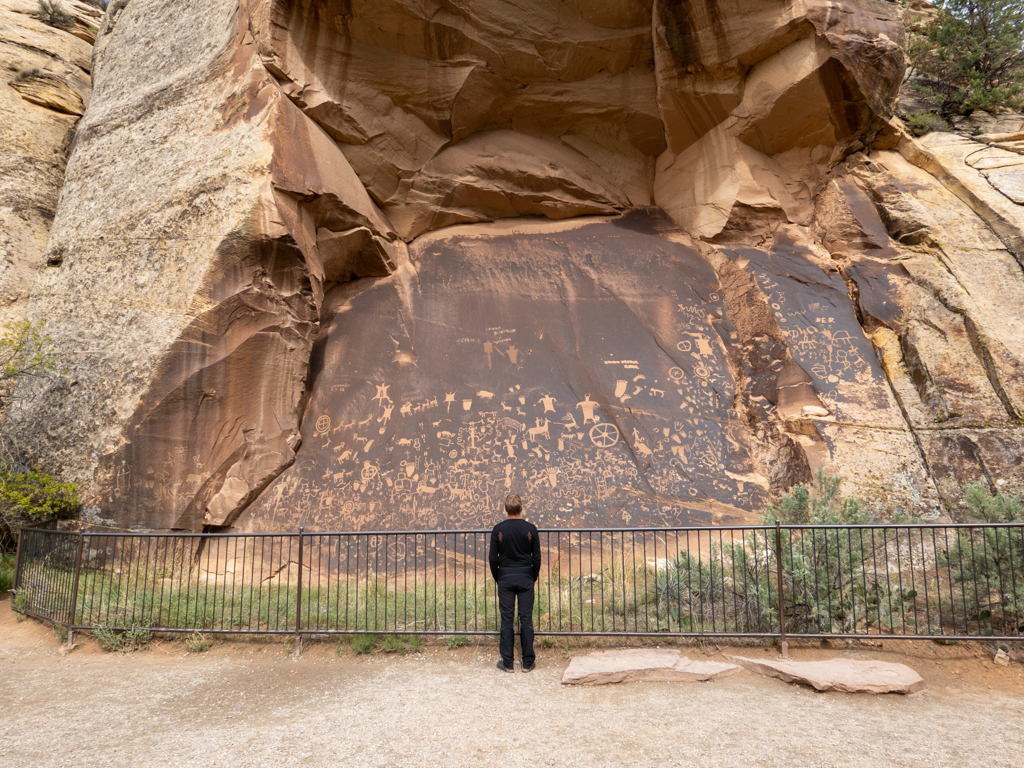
[595,401]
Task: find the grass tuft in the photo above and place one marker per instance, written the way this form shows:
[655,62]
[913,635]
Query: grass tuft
[198,643]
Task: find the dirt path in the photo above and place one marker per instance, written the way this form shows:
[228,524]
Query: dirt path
[250,704]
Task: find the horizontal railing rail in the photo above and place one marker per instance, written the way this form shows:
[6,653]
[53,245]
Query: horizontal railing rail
[955,581]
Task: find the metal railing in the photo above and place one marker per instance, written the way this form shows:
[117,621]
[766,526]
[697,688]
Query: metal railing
[886,581]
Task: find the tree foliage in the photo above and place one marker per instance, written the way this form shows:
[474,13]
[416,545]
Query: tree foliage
[971,53]
[25,351]
[991,560]
[27,495]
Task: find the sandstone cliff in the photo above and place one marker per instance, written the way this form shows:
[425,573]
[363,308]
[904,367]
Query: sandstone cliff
[294,281]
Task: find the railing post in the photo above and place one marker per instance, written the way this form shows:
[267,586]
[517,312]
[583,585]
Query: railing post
[298,601]
[783,643]
[17,560]
[74,586]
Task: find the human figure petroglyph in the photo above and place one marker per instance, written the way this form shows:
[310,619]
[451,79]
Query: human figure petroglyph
[549,403]
[449,398]
[382,393]
[588,406]
[513,354]
[488,347]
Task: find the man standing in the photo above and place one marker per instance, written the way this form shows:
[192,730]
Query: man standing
[514,557]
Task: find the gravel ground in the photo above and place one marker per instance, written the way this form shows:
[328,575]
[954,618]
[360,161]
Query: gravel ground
[250,704]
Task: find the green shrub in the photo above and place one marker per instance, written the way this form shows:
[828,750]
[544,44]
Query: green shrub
[122,640]
[393,644]
[415,644]
[923,121]
[51,12]
[6,572]
[456,641]
[363,644]
[20,602]
[60,632]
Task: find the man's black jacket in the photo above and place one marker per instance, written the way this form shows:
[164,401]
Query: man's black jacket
[514,544]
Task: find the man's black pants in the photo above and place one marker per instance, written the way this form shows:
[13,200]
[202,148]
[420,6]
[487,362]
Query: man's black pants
[513,587]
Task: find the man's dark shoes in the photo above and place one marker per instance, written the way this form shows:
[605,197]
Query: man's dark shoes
[529,668]
[503,668]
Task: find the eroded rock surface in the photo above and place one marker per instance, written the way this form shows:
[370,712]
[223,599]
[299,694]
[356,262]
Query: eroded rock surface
[844,675]
[649,665]
[293,283]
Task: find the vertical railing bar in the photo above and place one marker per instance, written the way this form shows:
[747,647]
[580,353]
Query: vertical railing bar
[298,593]
[229,598]
[863,582]
[259,580]
[1014,598]
[647,613]
[590,576]
[927,600]
[913,590]
[999,571]
[74,587]
[899,581]
[206,585]
[949,577]
[600,564]
[852,580]
[963,581]
[732,561]
[163,577]
[17,560]
[783,644]
[839,578]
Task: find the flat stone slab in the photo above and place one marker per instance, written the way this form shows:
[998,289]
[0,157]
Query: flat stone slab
[847,675]
[647,664]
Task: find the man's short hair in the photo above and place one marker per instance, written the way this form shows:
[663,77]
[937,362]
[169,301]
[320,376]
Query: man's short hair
[513,504]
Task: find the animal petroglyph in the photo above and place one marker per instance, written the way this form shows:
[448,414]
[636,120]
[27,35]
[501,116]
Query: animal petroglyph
[541,429]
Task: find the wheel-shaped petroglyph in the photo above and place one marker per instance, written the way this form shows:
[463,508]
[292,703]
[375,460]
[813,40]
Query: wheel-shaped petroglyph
[369,472]
[323,424]
[604,435]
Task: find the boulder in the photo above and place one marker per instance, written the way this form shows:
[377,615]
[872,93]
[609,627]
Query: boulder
[650,665]
[839,674]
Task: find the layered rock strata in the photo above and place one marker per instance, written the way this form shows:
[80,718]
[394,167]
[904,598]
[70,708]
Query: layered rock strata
[44,88]
[284,295]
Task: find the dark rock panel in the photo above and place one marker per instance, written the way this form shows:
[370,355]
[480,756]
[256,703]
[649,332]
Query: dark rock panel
[586,369]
